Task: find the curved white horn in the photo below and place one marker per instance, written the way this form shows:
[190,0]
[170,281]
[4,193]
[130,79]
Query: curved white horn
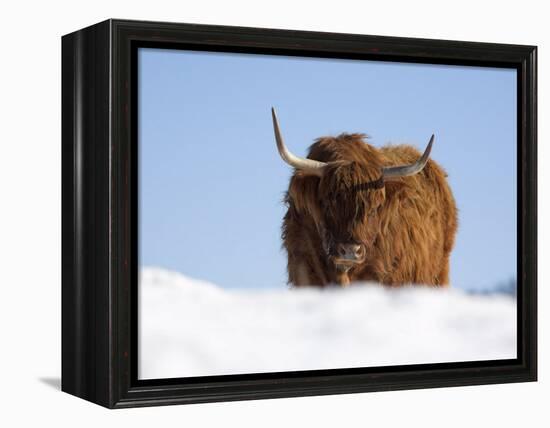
[407,170]
[308,165]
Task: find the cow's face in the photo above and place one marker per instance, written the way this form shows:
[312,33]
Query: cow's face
[349,197]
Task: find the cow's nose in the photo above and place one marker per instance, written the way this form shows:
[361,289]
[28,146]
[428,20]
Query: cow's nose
[350,251]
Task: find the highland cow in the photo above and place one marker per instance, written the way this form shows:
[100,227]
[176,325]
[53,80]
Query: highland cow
[359,213]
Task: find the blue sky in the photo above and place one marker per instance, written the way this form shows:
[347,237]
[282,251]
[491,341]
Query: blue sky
[212,182]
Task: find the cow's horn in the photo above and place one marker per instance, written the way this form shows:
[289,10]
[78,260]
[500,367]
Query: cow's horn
[308,165]
[406,170]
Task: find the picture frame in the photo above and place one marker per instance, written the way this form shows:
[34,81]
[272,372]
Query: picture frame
[100,212]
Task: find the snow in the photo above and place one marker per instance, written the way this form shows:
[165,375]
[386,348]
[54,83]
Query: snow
[189,327]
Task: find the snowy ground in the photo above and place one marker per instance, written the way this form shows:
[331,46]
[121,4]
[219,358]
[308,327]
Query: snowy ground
[192,328]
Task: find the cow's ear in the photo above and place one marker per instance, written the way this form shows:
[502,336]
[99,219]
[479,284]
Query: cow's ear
[304,191]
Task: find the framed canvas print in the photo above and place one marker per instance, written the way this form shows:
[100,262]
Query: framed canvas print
[253,213]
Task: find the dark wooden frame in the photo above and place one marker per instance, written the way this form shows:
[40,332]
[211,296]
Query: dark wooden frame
[99,191]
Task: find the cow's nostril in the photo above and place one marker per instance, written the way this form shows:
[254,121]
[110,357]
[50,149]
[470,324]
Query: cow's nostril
[341,250]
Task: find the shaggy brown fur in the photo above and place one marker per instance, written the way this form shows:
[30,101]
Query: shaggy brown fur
[408,226]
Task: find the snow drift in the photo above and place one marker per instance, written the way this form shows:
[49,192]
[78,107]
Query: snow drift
[190,327]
